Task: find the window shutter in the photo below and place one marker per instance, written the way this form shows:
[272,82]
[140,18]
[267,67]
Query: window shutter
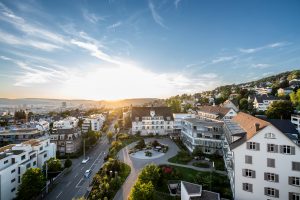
[248,145]
[250,188]
[276,178]
[257,146]
[290,196]
[253,174]
[268,147]
[276,148]
[250,159]
[292,150]
[277,193]
[290,180]
[266,176]
[244,186]
[266,191]
[244,172]
[281,148]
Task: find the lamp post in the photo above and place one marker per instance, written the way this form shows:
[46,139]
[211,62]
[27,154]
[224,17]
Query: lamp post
[213,167]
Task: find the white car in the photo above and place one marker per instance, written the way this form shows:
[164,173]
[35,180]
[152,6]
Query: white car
[87,173]
[85,160]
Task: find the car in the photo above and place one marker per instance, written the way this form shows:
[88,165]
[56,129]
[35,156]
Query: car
[85,160]
[87,173]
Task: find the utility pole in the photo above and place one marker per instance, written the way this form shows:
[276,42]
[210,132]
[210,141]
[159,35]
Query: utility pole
[46,177]
[83,149]
[213,167]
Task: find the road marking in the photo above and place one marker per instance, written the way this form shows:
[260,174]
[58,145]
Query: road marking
[58,195]
[77,186]
[81,168]
[69,183]
[76,175]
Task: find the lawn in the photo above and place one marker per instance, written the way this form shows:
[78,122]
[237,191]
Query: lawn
[218,161]
[183,157]
[201,164]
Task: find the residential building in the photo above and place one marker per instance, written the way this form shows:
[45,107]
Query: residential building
[295,119]
[69,122]
[177,126]
[95,122]
[263,90]
[294,83]
[152,120]
[284,91]
[191,191]
[215,113]
[262,158]
[234,104]
[15,159]
[206,134]
[67,140]
[262,102]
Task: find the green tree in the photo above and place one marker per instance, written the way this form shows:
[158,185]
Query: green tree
[54,167]
[198,151]
[295,98]
[127,122]
[175,105]
[151,173]
[280,110]
[116,126]
[109,136]
[32,183]
[142,191]
[68,163]
[243,104]
[141,144]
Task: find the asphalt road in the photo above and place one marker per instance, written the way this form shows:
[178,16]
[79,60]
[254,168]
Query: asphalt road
[74,184]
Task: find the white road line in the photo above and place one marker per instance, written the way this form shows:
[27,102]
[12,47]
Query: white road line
[76,175]
[78,183]
[58,195]
[69,183]
[81,168]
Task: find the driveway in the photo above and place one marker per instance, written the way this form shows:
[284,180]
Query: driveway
[138,164]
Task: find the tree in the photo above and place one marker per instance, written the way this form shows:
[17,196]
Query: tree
[32,183]
[151,173]
[243,104]
[54,167]
[141,144]
[280,110]
[68,163]
[198,151]
[116,126]
[295,98]
[127,122]
[20,115]
[142,191]
[109,136]
[175,105]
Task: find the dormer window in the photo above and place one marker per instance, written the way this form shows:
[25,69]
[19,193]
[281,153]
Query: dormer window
[270,135]
[136,118]
[168,118]
[152,113]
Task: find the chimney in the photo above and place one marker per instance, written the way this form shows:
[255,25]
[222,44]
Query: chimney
[257,126]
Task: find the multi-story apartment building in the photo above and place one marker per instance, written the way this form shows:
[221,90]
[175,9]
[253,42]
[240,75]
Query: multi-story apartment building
[262,102]
[215,113]
[206,134]
[94,122]
[69,122]
[15,159]
[295,119]
[67,140]
[262,158]
[178,118]
[152,120]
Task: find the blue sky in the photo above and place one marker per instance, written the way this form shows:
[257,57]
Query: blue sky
[144,48]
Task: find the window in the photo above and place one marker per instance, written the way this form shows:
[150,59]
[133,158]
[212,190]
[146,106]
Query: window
[296,166]
[23,157]
[272,148]
[270,135]
[34,163]
[270,162]
[294,181]
[28,166]
[13,180]
[206,150]
[13,171]
[248,187]
[294,196]
[271,177]
[6,161]
[41,148]
[45,155]
[271,192]
[248,173]
[253,146]
[248,159]
[285,149]
[12,190]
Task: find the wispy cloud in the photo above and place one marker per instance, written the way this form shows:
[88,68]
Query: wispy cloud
[115,25]
[269,46]
[5,58]
[176,3]
[92,17]
[156,17]
[223,59]
[260,65]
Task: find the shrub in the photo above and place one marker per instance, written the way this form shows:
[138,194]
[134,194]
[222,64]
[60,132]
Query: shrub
[68,163]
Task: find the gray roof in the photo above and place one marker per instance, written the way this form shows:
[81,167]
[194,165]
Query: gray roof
[261,98]
[196,121]
[285,126]
[192,188]
[145,112]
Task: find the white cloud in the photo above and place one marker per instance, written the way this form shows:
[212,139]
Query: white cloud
[115,25]
[5,58]
[260,65]
[92,17]
[157,18]
[223,59]
[176,3]
[269,46]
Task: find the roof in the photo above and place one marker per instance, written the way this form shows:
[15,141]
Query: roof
[33,142]
[218,110]
[248,123]
[285,126]
[261,98]
[196,121]
[145,112]
[192,188]
[198,193]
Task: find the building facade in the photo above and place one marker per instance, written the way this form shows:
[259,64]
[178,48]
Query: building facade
[69,122]
[95,122]
[215,113]
[262,158]
[205,134]
[262,102]
[152,120]
[295,119]
[16,159]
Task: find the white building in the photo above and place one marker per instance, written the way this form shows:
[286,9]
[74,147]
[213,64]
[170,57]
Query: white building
[234,104]
[178,118]
[94,121]
[262,102]
[284,91]
[69,122]
[191,191]
[295,119]
[206,134]
[15,159]
[215,113]
[262,158]
[152,120]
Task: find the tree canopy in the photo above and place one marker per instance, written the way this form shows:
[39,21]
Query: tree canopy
[142,191]
[280,110]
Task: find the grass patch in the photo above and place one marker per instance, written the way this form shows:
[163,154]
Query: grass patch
[201,164]
[183,157]
[218,161]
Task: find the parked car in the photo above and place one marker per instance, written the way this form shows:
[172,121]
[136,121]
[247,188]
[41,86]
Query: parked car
[85,160]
